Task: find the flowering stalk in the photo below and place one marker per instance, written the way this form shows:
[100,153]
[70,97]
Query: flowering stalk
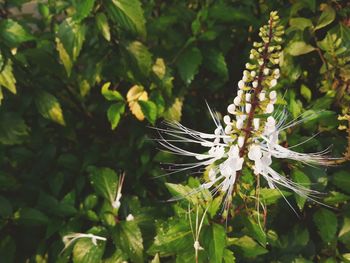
[250,132]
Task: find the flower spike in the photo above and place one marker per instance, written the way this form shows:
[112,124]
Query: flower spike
[250,133]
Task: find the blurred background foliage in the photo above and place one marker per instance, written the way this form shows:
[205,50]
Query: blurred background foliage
[81,81]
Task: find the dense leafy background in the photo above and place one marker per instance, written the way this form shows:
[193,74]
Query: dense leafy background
[81,81]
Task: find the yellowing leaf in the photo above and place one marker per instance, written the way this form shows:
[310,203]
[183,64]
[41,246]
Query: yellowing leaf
[49,107]
[159,68]
[135,94]
[174,112]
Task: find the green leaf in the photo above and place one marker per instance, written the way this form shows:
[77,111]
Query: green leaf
[69,41]
[111,95]
[30,217]
[13,34]
[301,179]
[49,107]
[327,17]
[172,237]
[128,237]
[342,180]
[128,14]
[215,61]
[300,23]
[13,129]
[117,257]
[141,57]
[7,79]
[271,196]
[344,233]
[149,109]
[83,9]
[85,251]
[7,249]
[102,25]
[300,48]
[326,223]
[188,64]
[105,182]
[229,256]
[248,247]
[255,230]
[183,191]
[114,112]
[5,208]
[214,238]
[306,92]
[336,198]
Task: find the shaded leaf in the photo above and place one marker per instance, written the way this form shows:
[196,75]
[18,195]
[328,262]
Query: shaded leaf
[188,64]
[114,113]
[105,182]
[103,26]
[300,48]
[49,107]
[327,17]
[13,34]
[128,14]
[149,109]
[326,223]
[13,129]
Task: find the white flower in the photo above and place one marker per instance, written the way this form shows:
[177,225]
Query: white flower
[130,217]
[252,140]
[70,238]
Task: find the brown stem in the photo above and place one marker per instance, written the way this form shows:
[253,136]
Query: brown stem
[255,100]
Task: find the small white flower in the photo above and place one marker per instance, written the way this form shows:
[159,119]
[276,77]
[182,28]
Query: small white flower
[241,84]
[269,108]
[253,73]
[130,217]
[227,119]
[262,96]
[237,101]
[255,84]
[248,97]
[248,106]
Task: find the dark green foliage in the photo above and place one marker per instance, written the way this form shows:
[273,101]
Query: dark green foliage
[81,81]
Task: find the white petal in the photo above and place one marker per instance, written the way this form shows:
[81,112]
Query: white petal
[231,108]
[273,95]
[248,106]
[240,141]
[254,152]
[227,119]
[228,129]
[262,96]
[237,101]
[256,122]
[241,84]
[239,124]
[269,108]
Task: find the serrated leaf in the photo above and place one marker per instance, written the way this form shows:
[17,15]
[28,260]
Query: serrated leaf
[215,242]
[173,238]
[111,95]
[128,237]
[13,34]
[300,48]
[105,182]
[85,251]
[13,129]
[188,64]
[128,14]
[69,41]
[103,26]
[49,107]
[149,109]
[114,112]
[344,233]
[327,17]
[135,94]
[175,111]
[30,217]
[229,256]
[326,223]
[141,57]
[7,79]
[83,9]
